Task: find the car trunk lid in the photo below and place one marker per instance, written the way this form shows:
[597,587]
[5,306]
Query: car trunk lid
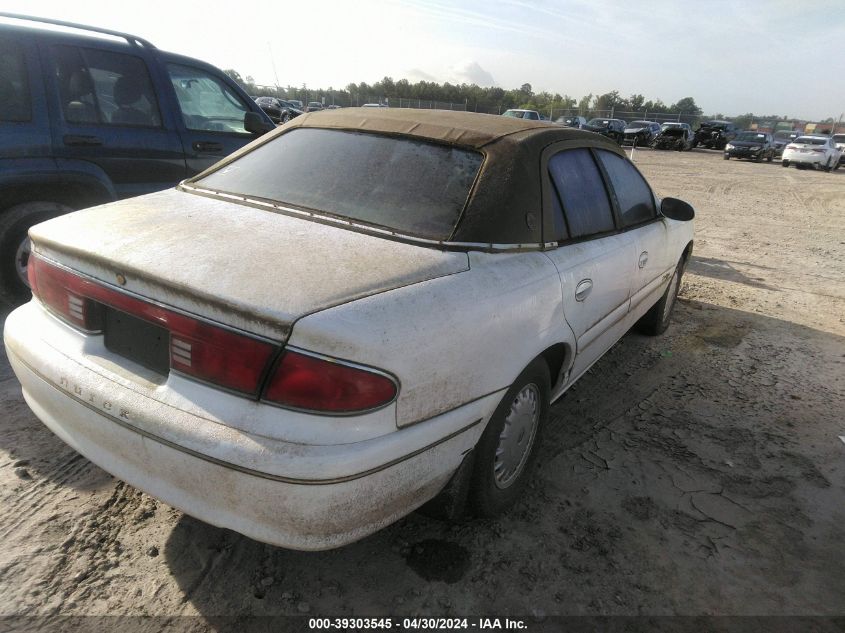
[252,269]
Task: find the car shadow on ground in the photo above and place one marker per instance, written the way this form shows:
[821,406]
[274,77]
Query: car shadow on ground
[727,271]
[689,473]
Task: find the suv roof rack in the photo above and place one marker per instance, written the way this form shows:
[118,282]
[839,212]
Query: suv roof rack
[132,39]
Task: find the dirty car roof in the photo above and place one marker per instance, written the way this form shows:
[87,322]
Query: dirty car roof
[506,198]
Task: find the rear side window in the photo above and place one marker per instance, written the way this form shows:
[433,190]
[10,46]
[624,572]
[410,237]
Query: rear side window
[636,202]
[101,87]
[15,100]
[583,197]
[207,103]
[409,186]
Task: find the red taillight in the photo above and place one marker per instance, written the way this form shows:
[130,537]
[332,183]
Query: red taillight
[315,384]
[63,293]
[207,352]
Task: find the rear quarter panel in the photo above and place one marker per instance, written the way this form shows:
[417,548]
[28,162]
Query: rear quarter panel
[448,340]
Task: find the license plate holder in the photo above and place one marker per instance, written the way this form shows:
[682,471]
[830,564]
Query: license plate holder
[140,341]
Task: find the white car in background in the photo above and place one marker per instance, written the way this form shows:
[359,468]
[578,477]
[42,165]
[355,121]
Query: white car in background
[325,330]
[839,140]
[814,151]
[531,115]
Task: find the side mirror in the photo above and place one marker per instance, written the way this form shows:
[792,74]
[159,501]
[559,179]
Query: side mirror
[254,124]
[675,209]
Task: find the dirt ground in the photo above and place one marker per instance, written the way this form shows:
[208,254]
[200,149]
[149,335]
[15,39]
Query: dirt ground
[696,473]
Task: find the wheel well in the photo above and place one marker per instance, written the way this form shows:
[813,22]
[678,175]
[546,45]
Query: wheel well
[73,195]
[557,357]
[687,253]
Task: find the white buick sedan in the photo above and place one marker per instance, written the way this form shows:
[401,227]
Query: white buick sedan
[357,313]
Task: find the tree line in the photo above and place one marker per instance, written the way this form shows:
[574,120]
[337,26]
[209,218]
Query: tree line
[492,99]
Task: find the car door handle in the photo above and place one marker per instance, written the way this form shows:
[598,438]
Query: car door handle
[583,289]
[77,140]
[207,146]
[643,259]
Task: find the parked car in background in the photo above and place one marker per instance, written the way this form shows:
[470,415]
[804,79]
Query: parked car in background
[532,115]
[314,106]
[839,141]
[86,119]
[752,145]
[641,133]
[296,103]
[375,105]
[812,151]
[310,407]
[714,134]
[577,122]
[611,128]
[782,138]
[278,110]
[675,136]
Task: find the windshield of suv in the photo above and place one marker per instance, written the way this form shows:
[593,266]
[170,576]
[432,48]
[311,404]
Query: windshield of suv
[598,122]
[402,184]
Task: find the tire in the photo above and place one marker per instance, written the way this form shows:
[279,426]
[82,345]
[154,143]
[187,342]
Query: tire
[285,117]
[828,168]
[497,482]
[770,157]
[784,163]
[14,244]
[656,320]
[727,157]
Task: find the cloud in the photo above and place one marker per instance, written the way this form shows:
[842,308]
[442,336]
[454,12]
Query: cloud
[471,72]
[416,74]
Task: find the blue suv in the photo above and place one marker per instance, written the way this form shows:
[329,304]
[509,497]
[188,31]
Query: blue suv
[89,115]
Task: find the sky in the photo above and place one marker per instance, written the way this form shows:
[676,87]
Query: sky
[769,57]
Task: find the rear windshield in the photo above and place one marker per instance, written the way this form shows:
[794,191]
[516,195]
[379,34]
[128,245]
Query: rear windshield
[839,138]
[809,140]
[402,184]
[751,136]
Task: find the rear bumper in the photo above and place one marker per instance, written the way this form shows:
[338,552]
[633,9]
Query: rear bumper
[813,158]
[252,484]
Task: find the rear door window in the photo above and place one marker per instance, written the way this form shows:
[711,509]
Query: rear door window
[633,195]
[102,87]
[410,186]
[583,196]
[15,99]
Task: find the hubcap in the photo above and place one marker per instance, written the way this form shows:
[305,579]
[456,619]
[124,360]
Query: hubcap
[670,299]
[517,436]
[22,260]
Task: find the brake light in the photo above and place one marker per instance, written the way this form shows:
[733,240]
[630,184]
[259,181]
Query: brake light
[207,352]
[63,293]
[316,384]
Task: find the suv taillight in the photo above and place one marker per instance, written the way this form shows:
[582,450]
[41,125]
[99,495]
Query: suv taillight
[311,383]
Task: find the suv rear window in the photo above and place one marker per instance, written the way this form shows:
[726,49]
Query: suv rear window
[409,186]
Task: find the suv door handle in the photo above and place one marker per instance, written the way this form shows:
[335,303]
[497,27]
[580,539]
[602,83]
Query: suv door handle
[207,146]
[643,259]
[583,289]
[77,140]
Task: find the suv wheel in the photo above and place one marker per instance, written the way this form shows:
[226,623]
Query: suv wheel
[15,247]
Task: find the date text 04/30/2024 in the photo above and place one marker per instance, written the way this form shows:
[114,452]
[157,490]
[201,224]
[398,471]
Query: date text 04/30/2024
[357,624]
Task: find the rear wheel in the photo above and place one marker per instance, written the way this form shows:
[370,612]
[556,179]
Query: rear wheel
[506,452]
[15,246]
[785,163]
